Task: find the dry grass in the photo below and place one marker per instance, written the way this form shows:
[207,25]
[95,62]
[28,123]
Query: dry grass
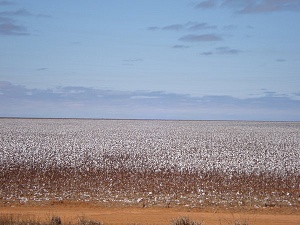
[55,220]
[184,221]
[10,219]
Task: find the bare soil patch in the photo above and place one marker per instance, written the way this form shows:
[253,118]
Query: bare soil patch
[72,211]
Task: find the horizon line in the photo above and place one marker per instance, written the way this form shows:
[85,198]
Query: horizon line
[147,119]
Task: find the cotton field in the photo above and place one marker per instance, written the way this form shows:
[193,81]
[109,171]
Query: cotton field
[148,162]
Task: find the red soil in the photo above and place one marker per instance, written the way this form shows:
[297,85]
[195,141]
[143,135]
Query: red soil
[70,212]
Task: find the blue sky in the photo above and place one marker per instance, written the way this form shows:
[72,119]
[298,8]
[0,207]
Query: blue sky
[211,59]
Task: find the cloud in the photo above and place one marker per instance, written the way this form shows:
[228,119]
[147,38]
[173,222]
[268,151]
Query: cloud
[175,27]
[8,26]
[230,27]
[206,4]
[207,53]
[41,69]
[5,20]
[194,26]
[281,60]
[222,51]
[189,26]
[269,6]
[143,97]
[86,102]
[227,50]
[270,93]
[252,6]
[201,38]
[153,28]
[180,46]
[19,12]
[12,29]
[3,3]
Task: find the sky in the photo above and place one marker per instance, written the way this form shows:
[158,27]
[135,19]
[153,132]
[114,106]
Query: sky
[142,59]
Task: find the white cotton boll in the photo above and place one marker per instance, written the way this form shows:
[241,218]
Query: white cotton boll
[161,147]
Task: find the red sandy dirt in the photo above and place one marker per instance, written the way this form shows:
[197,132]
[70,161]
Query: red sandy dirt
[71,212]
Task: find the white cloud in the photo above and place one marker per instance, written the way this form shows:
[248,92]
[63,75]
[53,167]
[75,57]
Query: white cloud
[87,102]
[201,38]
[252,6]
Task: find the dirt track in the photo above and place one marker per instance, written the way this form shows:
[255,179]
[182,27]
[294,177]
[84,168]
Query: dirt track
[138,215]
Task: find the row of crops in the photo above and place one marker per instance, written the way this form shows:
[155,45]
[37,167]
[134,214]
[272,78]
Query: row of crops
[192,163]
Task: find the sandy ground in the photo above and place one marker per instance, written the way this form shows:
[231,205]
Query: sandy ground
[70,212]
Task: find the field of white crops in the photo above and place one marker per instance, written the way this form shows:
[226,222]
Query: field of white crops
[149,162]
